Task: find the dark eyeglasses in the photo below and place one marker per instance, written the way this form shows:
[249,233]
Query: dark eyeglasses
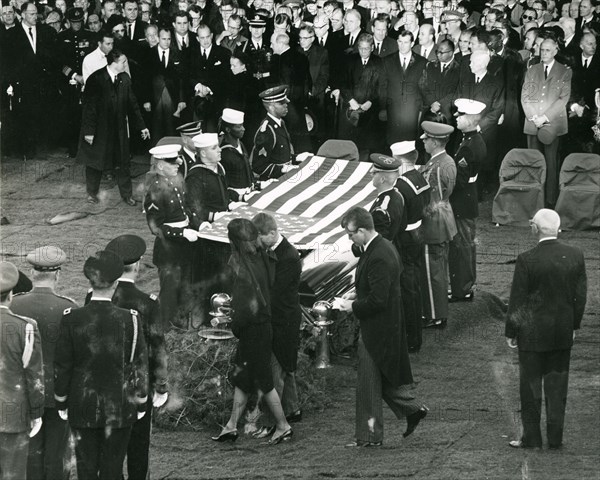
[528,17]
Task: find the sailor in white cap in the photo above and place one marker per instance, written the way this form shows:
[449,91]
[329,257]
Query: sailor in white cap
[234,156]
[415,191]
[164,204]
[464,201]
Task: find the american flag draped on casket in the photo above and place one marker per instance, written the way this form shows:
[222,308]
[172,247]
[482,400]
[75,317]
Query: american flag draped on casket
[308,205]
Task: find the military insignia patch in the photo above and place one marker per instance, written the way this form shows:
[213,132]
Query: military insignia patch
[262,151]
[153,297]
[263,127]
[152,206]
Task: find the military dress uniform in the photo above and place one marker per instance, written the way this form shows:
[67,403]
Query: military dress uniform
[101,369]
[415,190]
[237,166]
[21,381]
[260,58]
[74,46]
[164,204]
[462,260]
[272,149]
[48,449]
[131,248]
[439,228]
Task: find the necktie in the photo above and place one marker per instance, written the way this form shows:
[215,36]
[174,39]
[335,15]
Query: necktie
[364,63]
[546,72]
[183,46]
[378,45]
[585,64]
[404,63]
[164,59]
[204,54]
[350,42]
[444,67]
[31,33]
[129,30]
[477,79]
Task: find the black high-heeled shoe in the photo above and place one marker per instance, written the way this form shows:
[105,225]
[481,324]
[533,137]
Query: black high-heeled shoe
[226,437]
[284,437]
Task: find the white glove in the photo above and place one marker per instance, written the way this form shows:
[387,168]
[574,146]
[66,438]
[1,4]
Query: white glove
[288,168]
[159,399]
[240,191]
[219,215]
[10,91]
[266,183]
[35,424]
[303,156]
[249,195]
[64,414]
[205,226]
[190,235]
[234,205]
[140,415]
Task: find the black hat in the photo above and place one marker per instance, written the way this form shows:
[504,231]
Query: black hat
[75,14]
[276,94]
[383,163]
[103,267]
[190,129]
[257,21]
[47,258]
[129,248]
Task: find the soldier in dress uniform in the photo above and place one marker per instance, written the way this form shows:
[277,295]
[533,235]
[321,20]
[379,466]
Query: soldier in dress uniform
[130,249]
[471,153]
[75,43]
[273,152]
[101,372]
[21,381]
[186,132]
[48,453]
[438,223]
[415,191]
[234,156]
[388,210]
[259,50]
[164,204]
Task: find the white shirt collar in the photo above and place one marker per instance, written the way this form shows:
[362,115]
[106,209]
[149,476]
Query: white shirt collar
[437,154]
[126,280]
[207,50]
[408,56]
[550,65]
[100,299]
[112,75]
[277,120]
[548,238]
[584,58]
[369,242]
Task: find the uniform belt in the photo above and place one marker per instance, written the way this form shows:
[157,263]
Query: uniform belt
[262,75]
[182,224]
[473,179]
[413,226]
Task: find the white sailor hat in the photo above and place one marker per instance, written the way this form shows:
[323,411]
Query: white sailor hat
[169,153]
[205,140]
[235,117]
[402,148]
[466,106]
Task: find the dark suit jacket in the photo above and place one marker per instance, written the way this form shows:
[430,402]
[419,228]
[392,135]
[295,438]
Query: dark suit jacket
[388,46]
[401,95]
[379,309]
[431,57]
[157,77]
[435,85]
[362,82]
[291,68]
[318,65]
[285,305]
[547,297]
[212,72]
[585,81]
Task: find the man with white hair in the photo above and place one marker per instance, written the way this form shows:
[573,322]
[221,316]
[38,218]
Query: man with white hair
[546,305]
[570,49]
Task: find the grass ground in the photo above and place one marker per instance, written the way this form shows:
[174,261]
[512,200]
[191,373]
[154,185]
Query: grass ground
[465,374]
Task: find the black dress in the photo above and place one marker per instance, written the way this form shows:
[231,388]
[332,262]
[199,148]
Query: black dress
[251,322]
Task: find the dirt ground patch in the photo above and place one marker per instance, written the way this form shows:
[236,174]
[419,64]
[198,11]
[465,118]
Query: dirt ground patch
[465,374]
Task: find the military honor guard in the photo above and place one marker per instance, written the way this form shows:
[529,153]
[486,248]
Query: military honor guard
[388,209]
[130,249]
[187,153]
[75,43]
[234,156]
[415,190]
[258,48]
[48,453]
[273,152]
[384,370]
[462,260]
[439,226]
[101,372]
[21,382]
[164,205]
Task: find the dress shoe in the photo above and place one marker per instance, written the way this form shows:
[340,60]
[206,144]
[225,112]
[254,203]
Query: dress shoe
[226,437]
[360,443]
[295,417]
[436,323]
[264,432]
[467,298]
[520,444]
[413,420]
[92,199]
[284,437]
[130,201]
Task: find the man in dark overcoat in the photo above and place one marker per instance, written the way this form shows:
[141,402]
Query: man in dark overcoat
[110,115]
[383,363]
[547,302]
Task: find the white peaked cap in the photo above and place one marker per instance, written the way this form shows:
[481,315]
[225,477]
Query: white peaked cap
[235,117]
[205,140]
[402,148]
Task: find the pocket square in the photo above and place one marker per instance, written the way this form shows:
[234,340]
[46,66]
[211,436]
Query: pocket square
[218,63]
